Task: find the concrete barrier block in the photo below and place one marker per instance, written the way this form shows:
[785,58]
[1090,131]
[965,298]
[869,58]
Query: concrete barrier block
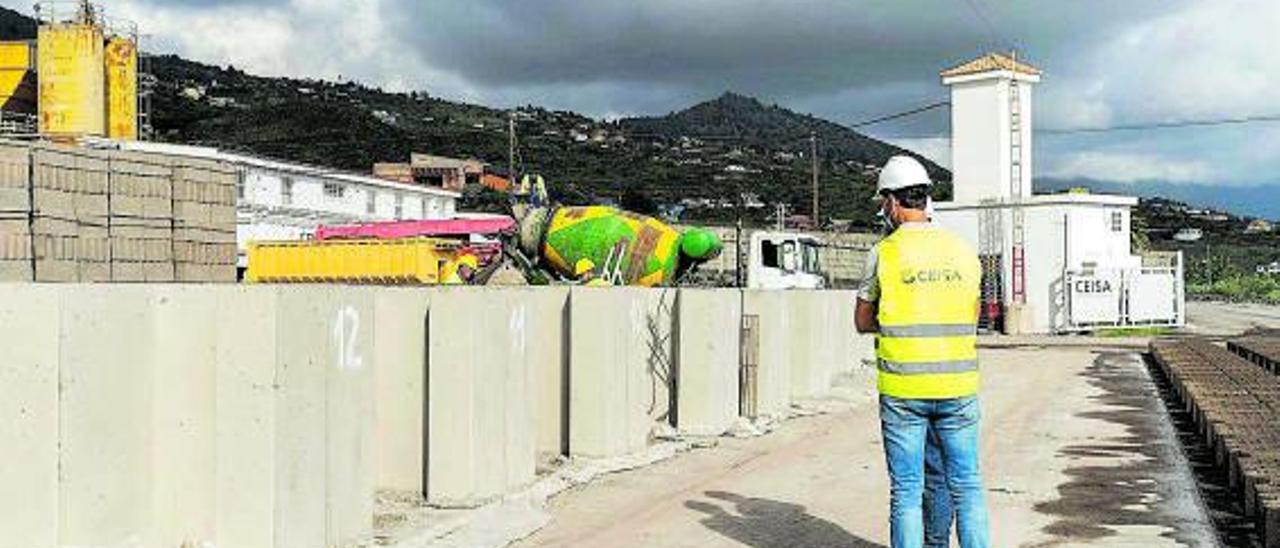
[654,345]
[29,416]
[548,349]
[620,368]
[480,418]
[303,355]
[810,376]
[773,375]
[350,471]
[400,369]
[184,442]
[246,416]
[324,417]
[105,416]
[830,337]
[708,361]
[519,397]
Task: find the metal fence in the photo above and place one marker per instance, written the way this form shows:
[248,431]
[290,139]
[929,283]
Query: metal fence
[1119,298]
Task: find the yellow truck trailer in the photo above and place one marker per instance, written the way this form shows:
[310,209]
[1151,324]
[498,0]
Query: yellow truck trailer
[411,261]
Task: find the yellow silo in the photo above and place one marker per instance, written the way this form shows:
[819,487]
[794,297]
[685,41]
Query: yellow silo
[71,65]
[122,88]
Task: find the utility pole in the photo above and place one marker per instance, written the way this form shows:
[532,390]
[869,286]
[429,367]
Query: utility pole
[511,151]
[813,155]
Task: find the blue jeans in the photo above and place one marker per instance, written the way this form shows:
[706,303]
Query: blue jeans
[906,425]
[938,511]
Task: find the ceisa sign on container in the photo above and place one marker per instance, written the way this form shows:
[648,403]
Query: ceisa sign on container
[1095,297]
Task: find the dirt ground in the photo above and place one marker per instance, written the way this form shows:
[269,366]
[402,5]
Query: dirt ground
[1077,452]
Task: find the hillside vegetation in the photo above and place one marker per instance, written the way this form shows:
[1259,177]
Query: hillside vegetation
[712,162]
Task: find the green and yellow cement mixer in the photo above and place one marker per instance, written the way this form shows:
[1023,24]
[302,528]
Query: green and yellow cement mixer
[606,246]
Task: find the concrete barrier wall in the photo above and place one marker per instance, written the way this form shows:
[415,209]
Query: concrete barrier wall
[481,397]
[245,341]
[400,363]
[187,416]
[773,376]
[324,416]
[29,417]
[267,416]
[620,368]
[708,361]
[548,334]
[824,338]
[106,419]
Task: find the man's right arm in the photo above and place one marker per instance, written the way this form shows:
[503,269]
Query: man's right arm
[865,317]
[869,296]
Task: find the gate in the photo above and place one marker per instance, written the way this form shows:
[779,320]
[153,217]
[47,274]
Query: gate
[1118,298]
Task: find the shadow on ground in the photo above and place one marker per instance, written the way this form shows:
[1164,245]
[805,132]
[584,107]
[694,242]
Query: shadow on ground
[764,523]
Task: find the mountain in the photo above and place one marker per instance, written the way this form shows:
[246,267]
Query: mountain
[1248,201]
[746,122]
[16,26]
[703,162]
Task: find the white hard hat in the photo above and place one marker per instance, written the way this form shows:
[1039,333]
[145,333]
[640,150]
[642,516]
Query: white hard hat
[902,172]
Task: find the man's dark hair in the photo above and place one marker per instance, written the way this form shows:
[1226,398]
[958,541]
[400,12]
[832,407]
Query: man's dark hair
[912,197]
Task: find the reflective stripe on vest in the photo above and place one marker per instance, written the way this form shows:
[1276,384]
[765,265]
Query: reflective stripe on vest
[936,330]
[927,347]
[928,368]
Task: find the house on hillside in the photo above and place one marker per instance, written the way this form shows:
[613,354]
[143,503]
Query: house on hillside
[1189,235]
[450,174]
[495,182]
[1259,226]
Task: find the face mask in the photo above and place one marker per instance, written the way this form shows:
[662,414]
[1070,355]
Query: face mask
[886,223]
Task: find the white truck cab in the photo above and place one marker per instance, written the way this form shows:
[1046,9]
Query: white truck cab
[784,260]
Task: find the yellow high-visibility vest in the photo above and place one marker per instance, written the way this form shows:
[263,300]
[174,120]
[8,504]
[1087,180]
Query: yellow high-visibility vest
[929,287]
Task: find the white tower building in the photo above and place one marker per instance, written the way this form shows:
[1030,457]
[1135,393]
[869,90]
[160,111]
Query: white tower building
[1051,263]
[991,128]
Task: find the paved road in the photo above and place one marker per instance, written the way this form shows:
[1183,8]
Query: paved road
[1217,318]
[1077,452]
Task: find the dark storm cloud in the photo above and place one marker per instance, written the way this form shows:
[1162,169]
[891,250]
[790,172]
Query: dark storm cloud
[777,48]
[1106,62]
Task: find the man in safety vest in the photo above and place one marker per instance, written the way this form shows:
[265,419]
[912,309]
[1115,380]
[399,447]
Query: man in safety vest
[921,299]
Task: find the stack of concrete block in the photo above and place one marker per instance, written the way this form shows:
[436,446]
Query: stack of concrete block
[71,214]
[15,212]
[204,220]
[142,247]
[69,217]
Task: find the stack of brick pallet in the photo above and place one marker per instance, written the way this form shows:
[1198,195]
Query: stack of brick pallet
[70,214]
[1264,351]
[1236,409]
[141,219]
[204,220]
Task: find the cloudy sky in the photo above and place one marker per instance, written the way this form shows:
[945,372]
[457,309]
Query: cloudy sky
[1106,63]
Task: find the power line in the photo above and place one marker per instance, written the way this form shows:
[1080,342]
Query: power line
[1166,125]
[903,114]
[1152,126]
